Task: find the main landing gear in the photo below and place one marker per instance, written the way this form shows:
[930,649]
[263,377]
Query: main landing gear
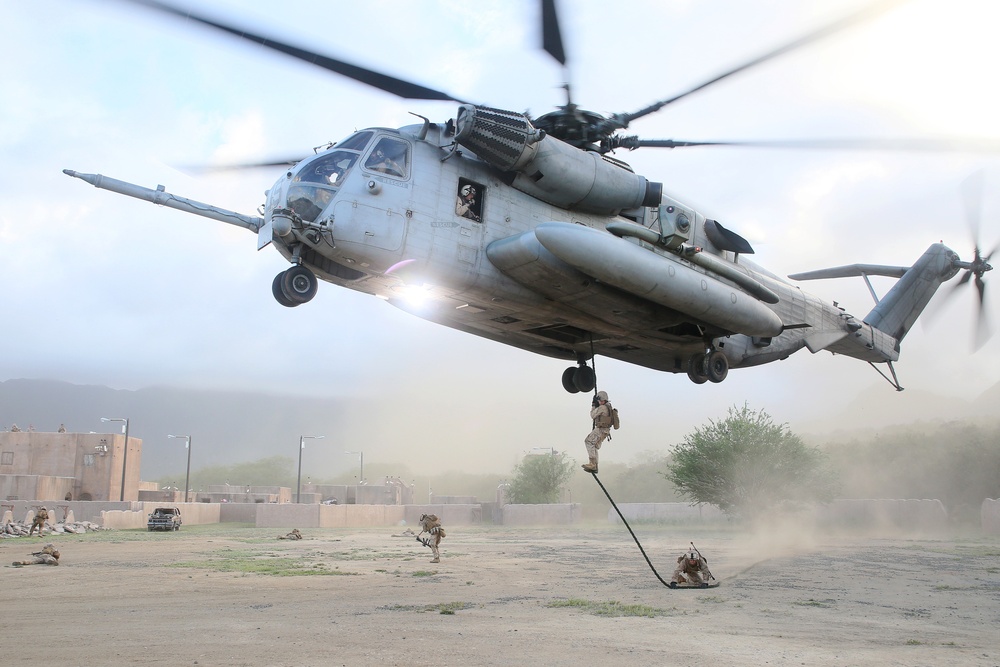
[712,366]
[295,286]
[579,378]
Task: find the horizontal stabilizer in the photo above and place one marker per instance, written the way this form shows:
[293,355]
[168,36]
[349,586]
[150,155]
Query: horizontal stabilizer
[823,339]
[852,271]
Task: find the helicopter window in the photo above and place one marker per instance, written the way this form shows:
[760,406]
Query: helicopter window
[469,202]
[308,201]
[356,142]
[328,169]
[390,157]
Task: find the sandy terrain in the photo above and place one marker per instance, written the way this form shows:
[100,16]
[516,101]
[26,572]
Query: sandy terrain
[137,598]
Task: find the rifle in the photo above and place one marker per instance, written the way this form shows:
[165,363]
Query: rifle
[710,575]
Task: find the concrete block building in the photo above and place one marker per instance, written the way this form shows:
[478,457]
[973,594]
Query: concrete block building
[69,466]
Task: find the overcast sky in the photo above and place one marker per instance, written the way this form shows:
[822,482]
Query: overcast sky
[102,289]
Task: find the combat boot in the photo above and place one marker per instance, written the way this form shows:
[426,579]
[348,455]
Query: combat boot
[590,467]
[436,560]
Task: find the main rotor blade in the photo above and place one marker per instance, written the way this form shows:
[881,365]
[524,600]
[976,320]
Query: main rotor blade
[949,145]
[205,169]
[389,84]
[551,35]
[864,15]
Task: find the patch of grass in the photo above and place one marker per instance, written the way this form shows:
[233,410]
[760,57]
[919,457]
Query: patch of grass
[914,642]
[711,598]
[425,573]
[612,608]
[447,608]
[252,562]
[815,603]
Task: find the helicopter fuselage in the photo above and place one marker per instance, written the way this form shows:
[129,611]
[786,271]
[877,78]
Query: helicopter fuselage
[530,274]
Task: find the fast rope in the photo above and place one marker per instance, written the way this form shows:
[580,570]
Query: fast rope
[648,562]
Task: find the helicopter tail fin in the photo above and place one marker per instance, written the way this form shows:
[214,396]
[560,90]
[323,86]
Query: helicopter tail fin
[896,313]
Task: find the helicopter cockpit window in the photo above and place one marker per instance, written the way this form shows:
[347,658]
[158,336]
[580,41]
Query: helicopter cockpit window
[356,142]
[328,168]
[469,202]
[390,157]
[309,201]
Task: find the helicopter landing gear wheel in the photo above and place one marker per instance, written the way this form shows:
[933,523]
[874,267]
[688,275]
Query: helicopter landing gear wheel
[567,380]
[279,294]
[585,378]
[717,366]
[299,284]
[697,372]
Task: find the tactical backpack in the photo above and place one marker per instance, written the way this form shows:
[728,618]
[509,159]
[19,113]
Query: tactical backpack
[615,423]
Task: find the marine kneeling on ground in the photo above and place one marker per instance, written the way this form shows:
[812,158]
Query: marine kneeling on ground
[692,570]
[430,524]
[49,555]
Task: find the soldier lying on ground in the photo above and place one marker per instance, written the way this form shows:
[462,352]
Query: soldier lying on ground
[294,535]
[49,555]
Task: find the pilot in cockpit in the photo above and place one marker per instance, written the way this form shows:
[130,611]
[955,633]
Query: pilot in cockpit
[381,162]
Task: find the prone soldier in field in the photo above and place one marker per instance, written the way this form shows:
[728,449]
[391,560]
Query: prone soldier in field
[39,521]
[430,524]
[49,555]
[294,535]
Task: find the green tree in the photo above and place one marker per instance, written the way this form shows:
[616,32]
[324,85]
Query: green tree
[539,478]
[746,464]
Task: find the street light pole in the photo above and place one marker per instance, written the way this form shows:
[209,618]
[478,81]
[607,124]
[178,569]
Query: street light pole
[361,480]
[187,478]
[125,452]
[302,445]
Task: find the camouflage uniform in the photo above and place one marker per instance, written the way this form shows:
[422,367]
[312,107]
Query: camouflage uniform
[430,524]
[600,414]
[294,535]
[47,556]
[692,568]
[39,522]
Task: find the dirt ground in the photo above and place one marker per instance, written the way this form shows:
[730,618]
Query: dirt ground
[500,596]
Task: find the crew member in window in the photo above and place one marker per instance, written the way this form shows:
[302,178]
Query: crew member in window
[466,204]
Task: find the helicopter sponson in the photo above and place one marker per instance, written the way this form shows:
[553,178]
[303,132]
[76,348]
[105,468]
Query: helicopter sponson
[549,169]
[631,268]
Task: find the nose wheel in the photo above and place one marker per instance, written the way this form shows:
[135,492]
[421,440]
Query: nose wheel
[295,286]
[579,378]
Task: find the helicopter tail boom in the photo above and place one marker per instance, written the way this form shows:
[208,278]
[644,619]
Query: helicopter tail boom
[896,313]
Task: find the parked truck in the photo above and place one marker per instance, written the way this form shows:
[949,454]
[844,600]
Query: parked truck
[164,518]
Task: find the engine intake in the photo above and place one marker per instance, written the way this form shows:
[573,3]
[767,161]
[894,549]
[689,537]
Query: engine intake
[549,169]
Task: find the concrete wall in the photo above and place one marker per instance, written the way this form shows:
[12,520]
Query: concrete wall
[192,514]
[989,516]
[540,515]
[335,516]
[238,512]
[683,513]
[293,515]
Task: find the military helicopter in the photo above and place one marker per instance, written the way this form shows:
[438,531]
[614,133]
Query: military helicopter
[529,232]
